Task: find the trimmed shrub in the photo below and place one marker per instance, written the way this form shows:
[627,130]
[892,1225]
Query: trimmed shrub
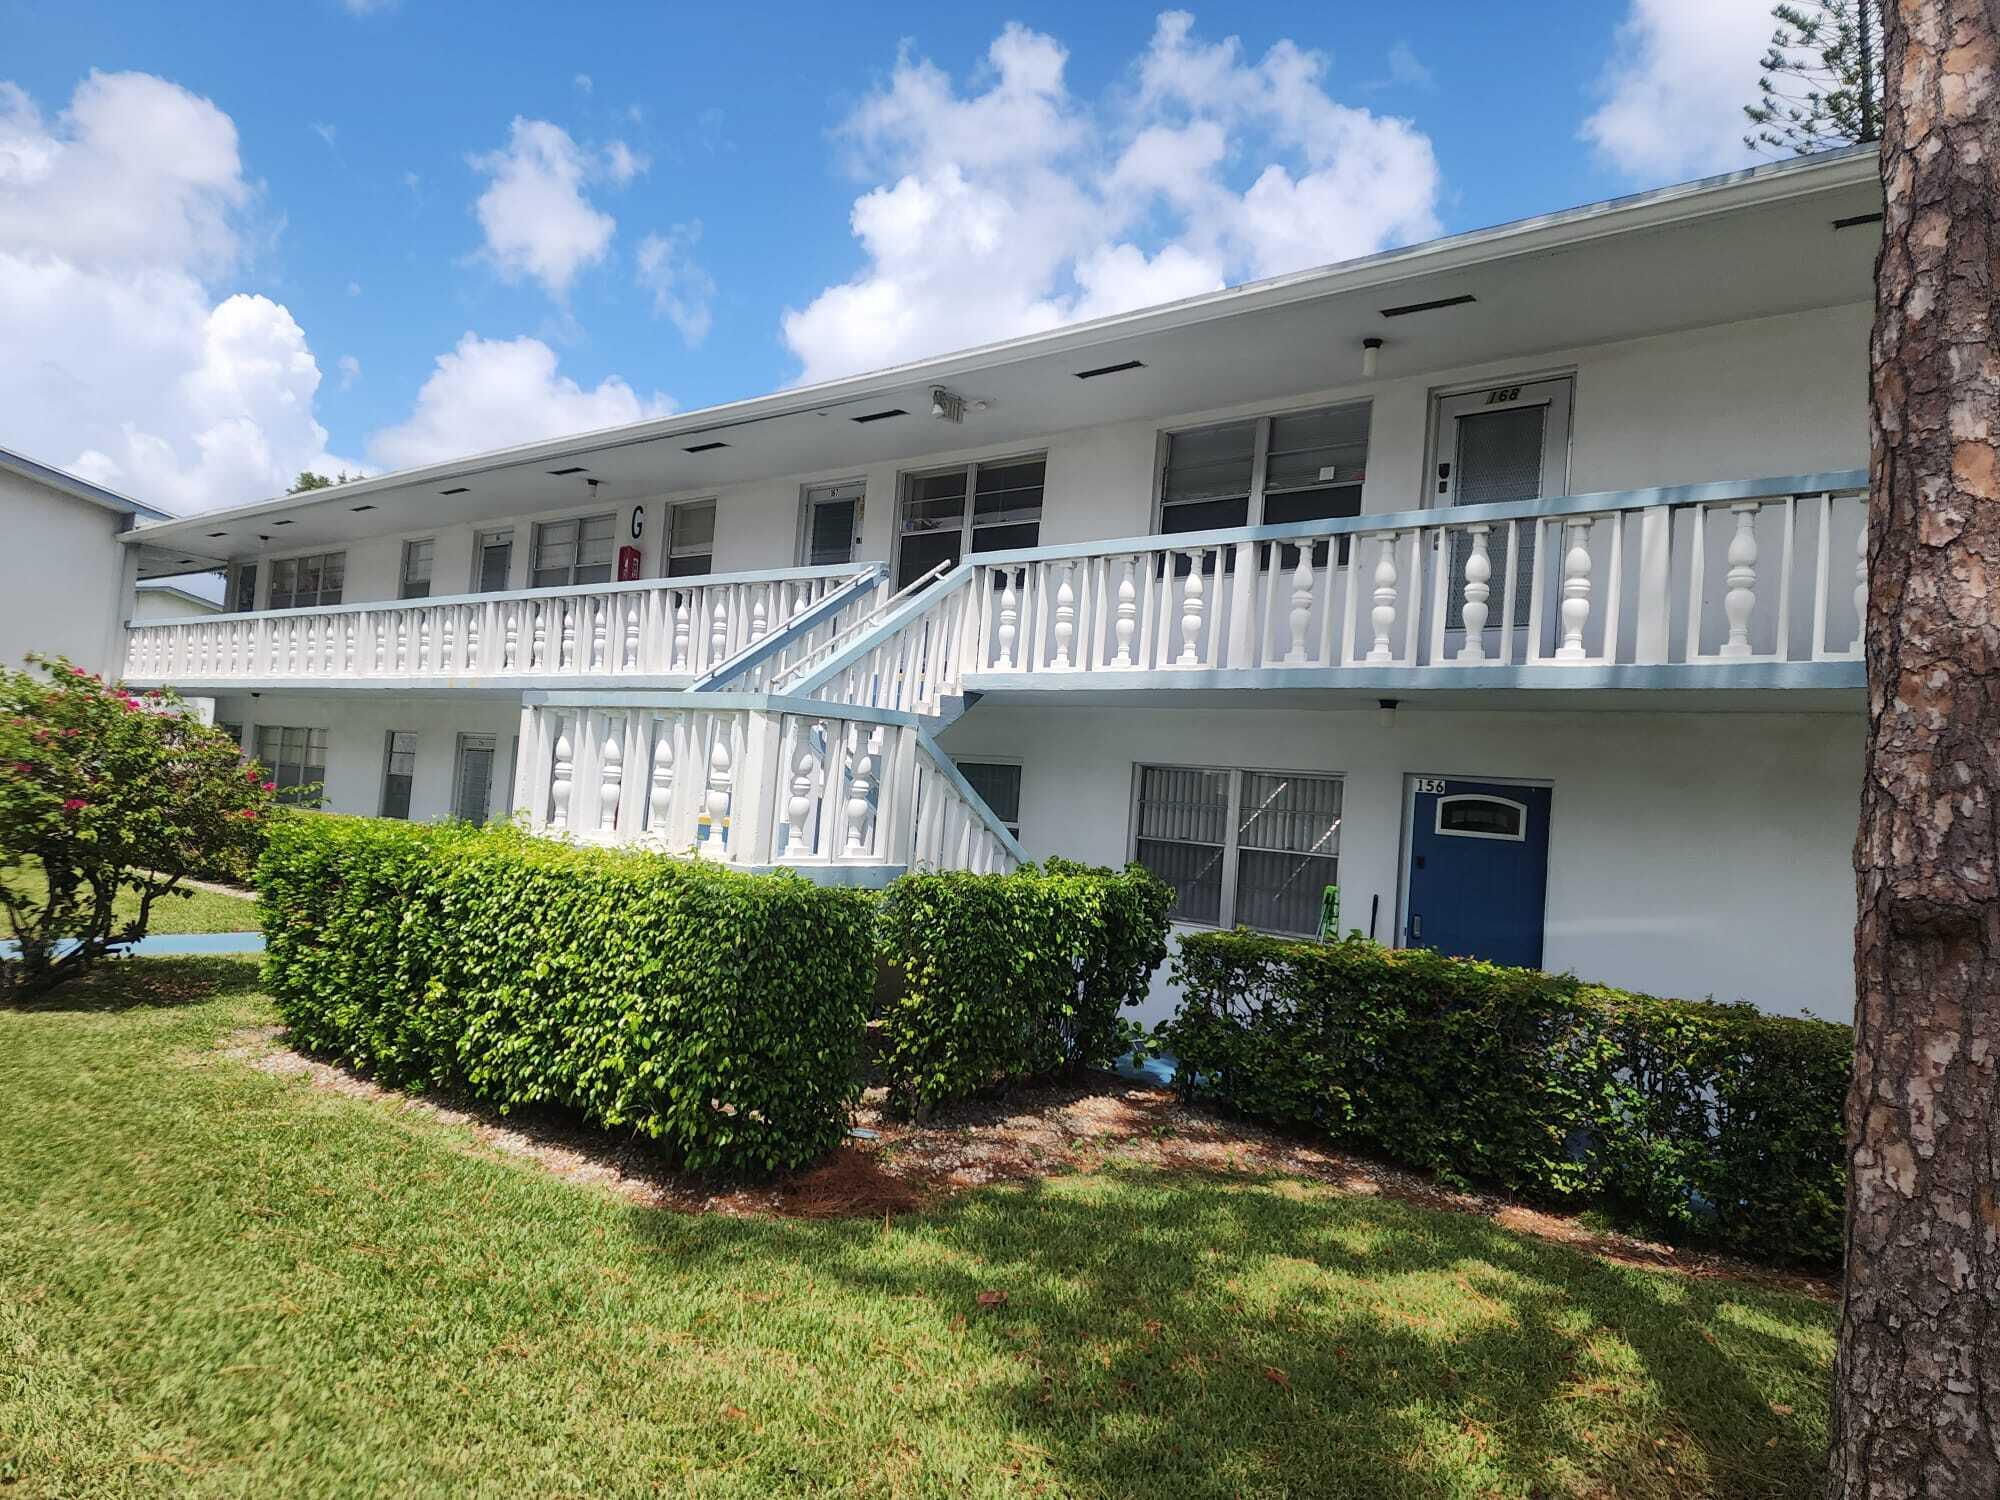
[1699,1122]
[1017,976]
[717,1012]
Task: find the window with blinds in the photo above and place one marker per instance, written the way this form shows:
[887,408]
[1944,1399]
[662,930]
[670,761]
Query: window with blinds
[999,786]
[307,582]
[399,769]
[1295,466]
[691,539]
[1240,848]
[570,553]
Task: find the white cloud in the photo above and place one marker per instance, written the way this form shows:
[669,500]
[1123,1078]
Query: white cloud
[584,83]
[115,221]
[537,220]
[681,289]
[1675,86]
[1407,69]
[350,370]
[491,393]
[622,163]
[1012,205]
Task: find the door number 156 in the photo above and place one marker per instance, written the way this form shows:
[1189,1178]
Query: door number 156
[1430,783]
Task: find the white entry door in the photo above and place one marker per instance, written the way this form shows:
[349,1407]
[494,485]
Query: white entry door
[1505,442]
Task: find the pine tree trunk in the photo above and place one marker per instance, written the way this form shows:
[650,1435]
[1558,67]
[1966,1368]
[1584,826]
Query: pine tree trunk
[1916,1402]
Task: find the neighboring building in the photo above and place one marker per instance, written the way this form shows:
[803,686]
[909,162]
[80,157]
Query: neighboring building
[1502,589]
[157,600]
[64,578]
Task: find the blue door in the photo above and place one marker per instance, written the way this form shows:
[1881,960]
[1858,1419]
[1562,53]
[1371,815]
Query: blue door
[1479,870]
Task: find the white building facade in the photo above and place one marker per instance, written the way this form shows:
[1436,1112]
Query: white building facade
[1499,595]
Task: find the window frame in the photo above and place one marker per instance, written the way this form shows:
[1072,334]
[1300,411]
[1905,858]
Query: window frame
[537,539]
[1519,836]
[481,540]
[389,754]
[1232,831]
[319,600]
[966,526]
[403,579]
[808,504]
[1021,783]
[274,768]
[243,600]
[490,744]
[668,556]
[1260,457]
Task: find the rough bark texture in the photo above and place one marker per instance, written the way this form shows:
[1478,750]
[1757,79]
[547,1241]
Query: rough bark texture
[1916,1408]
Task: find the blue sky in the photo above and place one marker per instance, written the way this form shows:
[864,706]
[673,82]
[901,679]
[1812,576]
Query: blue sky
[247,244]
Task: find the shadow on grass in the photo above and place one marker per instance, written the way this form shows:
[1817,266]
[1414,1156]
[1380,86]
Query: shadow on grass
[1168,1333]
[156,983]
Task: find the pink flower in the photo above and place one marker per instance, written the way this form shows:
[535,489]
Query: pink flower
[23,768]
[78,672]
[270,786]
[75,804]
[249,812]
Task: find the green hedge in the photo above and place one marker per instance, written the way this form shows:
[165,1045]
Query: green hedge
[1700,1122]
[1008,977]
[717,1012]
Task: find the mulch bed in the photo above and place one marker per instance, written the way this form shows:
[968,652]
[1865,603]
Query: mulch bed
[897,1167]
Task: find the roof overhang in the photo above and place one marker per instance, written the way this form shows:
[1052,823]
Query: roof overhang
[1755,243]
[77,488]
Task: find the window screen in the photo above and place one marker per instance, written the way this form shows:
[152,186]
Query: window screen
[496,560]
[398,772]
[417,568]
[1183,827]
[243,596]
[999,786]
[1288,850]
[936,524]
[573,552]
[1207,480]
[1007,505]
[833,519]
[1498,456]
[294,757]
[307,582]
[691,539]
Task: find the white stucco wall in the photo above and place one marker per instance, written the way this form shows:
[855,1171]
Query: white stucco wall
[1769,396]
[62,576]
[1691,854]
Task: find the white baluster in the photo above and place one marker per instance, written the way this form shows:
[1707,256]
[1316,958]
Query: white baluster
[1478,575]
[565,768]
[1861,581]
[1010,615]
[681,633]
[423,640]
[1302,604]
[510,646]
[718,629]
[599,609]
[1383,616]
[798,842]
[1742,596]
[1065,615]
[857,799]
[1191,607]
[718,794]
[632,633]
[1575,590]
[566,648]
[446,619]
[472,661]
[759,618]
[612,770]
[659,799]
[1128,616]
[348,627]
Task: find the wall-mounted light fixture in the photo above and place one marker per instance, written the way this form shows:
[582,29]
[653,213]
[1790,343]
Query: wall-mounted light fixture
[1370,349]
[947,406]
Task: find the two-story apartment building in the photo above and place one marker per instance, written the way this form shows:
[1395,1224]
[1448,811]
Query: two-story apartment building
[1498,594]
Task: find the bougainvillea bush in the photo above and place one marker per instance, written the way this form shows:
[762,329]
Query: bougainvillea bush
[102,792]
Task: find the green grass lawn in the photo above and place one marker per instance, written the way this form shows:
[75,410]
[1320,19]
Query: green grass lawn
[215,1281]
[198,911]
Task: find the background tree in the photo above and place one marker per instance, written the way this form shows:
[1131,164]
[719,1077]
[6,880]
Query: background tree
[107,802]
[308,480]
[1822,82]
[1916,1406]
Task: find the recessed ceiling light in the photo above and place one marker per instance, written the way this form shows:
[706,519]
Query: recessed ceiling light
[1416,307]
[281,523]
[463,489]
[1857,220]
[572,469]
[357,509]
[881,416]
[1130,364]
[704,447]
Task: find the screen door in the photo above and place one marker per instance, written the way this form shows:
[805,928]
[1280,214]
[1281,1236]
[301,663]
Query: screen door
[472,792]
[1506,442]
[832,524]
